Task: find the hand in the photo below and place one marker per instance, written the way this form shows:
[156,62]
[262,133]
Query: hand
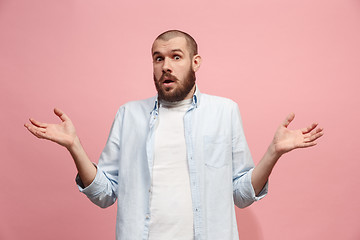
[286,140]
[63,133]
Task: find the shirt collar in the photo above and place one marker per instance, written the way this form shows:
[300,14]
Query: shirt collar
[196,97]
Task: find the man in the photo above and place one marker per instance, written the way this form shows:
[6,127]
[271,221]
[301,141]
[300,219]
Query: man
[179,161]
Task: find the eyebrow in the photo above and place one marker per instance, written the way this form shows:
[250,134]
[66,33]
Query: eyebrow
[174,50]
[177,50]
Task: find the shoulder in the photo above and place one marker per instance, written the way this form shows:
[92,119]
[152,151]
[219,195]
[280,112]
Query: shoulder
[138,106]
[144,103]
[217,101]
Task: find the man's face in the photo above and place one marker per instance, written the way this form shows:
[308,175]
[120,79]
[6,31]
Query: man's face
[174,69]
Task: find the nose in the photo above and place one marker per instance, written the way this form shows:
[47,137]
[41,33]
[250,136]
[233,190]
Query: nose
[166,67]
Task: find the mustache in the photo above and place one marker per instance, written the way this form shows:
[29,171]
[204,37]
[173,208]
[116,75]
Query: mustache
[167,75]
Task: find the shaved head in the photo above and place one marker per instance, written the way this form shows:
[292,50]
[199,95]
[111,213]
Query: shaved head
[191,43]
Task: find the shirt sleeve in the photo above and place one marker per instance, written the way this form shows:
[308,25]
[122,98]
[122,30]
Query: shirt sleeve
[103,189]
[243,165]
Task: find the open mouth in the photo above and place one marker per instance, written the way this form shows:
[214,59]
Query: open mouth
[167,81]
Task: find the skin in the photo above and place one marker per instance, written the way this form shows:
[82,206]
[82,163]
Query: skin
[65,135]
[285,140]
[173,61]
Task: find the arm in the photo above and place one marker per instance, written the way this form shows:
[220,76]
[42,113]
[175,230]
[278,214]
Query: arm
[242,165]
[284,141]
[65,135]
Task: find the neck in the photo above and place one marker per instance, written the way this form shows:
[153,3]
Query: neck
[191,93]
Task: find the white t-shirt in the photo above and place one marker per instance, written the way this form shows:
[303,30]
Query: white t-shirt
[171,202]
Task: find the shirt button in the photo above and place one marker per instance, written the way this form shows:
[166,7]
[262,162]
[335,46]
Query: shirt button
[147,217]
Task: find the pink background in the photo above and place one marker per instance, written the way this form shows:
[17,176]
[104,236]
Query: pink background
[271,57]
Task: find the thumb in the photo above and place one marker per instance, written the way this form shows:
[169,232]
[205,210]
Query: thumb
[61,114]
[288,119]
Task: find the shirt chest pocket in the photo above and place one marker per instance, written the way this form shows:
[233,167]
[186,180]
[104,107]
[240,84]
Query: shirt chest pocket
[217,150]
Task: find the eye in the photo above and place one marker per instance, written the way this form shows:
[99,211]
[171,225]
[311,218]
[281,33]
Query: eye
[158,59]
[177,57]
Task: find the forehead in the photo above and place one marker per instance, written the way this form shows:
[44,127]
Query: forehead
[166,46]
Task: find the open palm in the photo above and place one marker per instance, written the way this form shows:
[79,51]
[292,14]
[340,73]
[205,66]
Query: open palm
[63,133]
[286,140]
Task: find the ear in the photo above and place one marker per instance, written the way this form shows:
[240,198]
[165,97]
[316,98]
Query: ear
[196,62]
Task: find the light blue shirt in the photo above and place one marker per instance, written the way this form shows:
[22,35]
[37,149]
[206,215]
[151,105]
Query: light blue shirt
[219,160]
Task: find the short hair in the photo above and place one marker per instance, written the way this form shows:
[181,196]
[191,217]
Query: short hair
[192,45]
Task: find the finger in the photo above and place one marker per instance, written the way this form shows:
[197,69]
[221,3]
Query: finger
[36,131]
[42,135]
[37,123]
[288,120]
[308,144]
[34,128]
[312,137]
[309,128]
[313,132]
[61,114]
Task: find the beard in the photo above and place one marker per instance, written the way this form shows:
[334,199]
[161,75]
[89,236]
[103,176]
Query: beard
[179,91]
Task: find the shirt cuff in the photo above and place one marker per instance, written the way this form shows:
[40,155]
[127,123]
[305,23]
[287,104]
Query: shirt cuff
[263,191]
[95,187]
